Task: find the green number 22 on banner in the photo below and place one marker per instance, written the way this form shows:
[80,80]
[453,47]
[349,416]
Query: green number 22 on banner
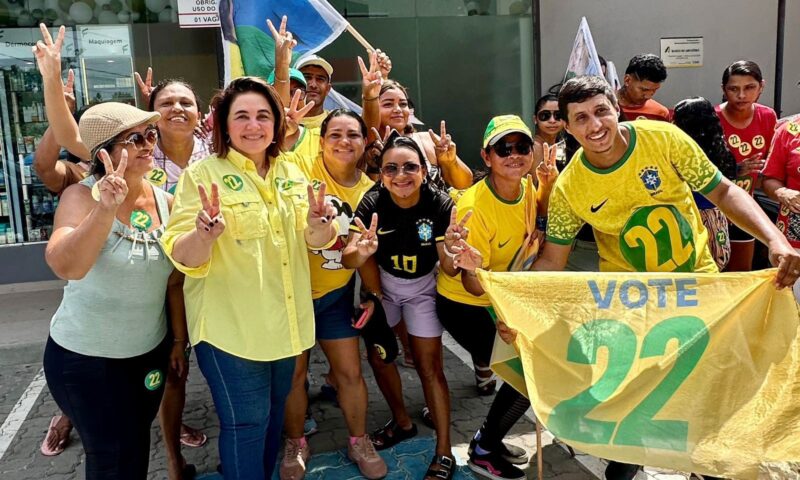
[568,419]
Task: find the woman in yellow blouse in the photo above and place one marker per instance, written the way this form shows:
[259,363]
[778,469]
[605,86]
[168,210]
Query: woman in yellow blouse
[240,229]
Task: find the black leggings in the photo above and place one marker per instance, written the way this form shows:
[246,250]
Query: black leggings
[112,403]
[473,328]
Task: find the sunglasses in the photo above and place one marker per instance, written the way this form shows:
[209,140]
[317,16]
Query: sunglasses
[505,149]
[140,140]
[392,170]
[544,115]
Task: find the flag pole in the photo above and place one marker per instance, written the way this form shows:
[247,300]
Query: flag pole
[363,41]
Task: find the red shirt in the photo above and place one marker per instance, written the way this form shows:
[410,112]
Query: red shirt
[784,164]
[751,140]
[651,110]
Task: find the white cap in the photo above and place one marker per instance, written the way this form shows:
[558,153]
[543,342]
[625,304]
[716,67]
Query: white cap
[316,61]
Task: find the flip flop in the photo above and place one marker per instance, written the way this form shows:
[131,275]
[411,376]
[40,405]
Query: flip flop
[53,431]
[193,438]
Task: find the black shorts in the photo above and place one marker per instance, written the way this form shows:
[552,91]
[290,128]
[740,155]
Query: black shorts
[470,325]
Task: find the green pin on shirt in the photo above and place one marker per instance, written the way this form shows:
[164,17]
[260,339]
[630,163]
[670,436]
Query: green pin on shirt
[141,220]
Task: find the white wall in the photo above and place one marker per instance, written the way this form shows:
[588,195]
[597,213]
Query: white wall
[731,30]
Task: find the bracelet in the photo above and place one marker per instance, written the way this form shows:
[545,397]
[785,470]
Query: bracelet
[372,99]
[280,80]
[541,223]
[448,252]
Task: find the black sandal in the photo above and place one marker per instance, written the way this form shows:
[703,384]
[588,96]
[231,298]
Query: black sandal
[446,468]
[391,434]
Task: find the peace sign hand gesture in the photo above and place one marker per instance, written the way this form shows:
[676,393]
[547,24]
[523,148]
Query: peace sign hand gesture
[367,241]
[445,147]
[69,90]
[284,43]
[320,211]
[546,171]
[209,223]
[456,230]
[296,111]
[48,53]
[112,187]
[146,86]
[372,78]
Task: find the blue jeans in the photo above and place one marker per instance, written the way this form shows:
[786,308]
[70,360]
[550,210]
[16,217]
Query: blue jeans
[250,398]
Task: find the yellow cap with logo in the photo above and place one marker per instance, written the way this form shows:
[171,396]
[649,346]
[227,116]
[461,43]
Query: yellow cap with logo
[501,126]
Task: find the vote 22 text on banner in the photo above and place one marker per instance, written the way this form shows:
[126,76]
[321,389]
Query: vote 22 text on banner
[692,372]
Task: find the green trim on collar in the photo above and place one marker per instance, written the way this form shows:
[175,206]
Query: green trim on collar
[620,162]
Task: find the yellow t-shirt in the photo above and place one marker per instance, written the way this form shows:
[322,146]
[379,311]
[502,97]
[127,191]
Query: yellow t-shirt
[496,229]
[327,271]
[641,209]
[251,299]
[308,145]
[316,121]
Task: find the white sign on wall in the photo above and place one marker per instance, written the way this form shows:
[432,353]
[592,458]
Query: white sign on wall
[198,13]
[682,51]
[16,43]
[104,41]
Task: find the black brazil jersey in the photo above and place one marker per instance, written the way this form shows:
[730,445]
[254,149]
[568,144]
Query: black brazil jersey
[407,236]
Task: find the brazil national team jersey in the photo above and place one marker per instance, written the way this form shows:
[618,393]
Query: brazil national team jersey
[641,209]
[407,237]
[327,271]
[496,229]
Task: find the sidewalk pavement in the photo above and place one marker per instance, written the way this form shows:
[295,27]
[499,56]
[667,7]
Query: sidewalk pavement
[26,408]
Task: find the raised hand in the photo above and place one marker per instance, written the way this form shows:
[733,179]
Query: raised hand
[456,230]
[546,171]
[112,187]
[284,43]
[445,146]
[367,243]
[384,63]
[69,91]
[296,111]
[209,223]
[468,257]
[48,53]
[320,211]
[146,85]
[371,78]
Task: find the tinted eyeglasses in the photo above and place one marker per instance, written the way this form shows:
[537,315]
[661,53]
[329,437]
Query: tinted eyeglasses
[503,149]
[392,170]
[139,140]
[544,115]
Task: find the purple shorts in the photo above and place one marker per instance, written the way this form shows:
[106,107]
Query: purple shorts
[411,300]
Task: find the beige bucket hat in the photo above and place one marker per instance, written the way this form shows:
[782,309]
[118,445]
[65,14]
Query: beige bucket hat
[105,121]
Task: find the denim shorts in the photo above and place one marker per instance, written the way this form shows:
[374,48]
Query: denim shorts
[333,313]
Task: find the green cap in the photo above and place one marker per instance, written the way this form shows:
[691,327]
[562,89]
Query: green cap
[294,74]
[503,125]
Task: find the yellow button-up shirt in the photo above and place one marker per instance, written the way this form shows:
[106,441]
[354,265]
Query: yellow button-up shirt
[252,298]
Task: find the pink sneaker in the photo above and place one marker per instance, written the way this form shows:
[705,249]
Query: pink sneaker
[295,459]
[363,454]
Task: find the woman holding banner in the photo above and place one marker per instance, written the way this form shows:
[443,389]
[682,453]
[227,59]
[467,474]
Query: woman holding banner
[503,236]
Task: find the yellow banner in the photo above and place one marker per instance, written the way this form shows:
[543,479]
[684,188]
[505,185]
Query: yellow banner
[692,372]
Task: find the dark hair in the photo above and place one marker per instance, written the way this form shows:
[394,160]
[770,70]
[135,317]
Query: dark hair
[548,97]
[696,117]
[222,101]
[398,141]
[647,67]
[742,67]
[343,112]
[151,105]
[579,89]
[395,85]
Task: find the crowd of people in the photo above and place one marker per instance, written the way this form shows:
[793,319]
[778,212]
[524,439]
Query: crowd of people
[239,238]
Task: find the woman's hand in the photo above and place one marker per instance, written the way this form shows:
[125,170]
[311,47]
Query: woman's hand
[177,359]
[507,334]
[467,258]
[444,145]
[750,165]
[371,78]
[69,91]
[384,63]
[367,243]
[296,112]
[546,172]
[284,44]
[320,211]
[789,198]
[48,53]
[456,231]
[112,187]
[209,223]
[146,86]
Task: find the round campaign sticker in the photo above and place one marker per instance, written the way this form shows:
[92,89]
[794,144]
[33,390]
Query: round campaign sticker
[141,220]
[153,380]
[157,176]
[734,141]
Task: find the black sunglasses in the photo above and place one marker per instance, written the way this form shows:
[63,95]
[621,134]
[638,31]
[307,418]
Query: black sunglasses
[392,170]
[139,140]
[544,115]
[505,149]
